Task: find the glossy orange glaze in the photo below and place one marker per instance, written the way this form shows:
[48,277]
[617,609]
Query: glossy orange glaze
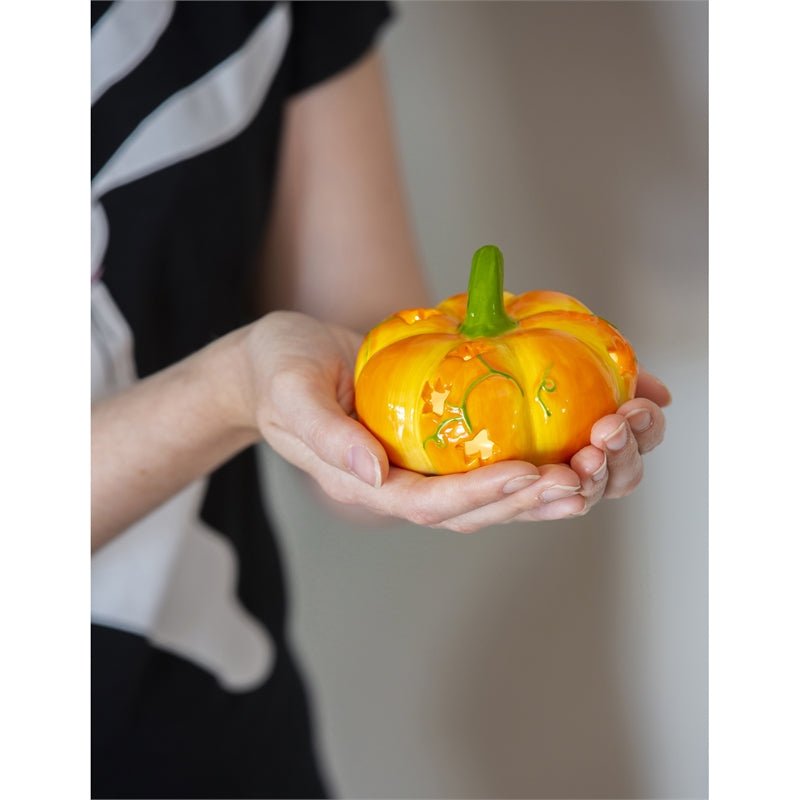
[441,402]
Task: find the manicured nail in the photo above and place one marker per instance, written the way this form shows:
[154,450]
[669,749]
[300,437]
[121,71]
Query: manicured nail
[558,492]
[520,482]
[639,420]
[617,439]
[600,473]
[364,465]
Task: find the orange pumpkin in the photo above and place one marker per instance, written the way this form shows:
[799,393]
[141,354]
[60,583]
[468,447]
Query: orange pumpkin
[490,376]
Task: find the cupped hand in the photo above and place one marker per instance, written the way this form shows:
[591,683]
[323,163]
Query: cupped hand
[300,390]
[612,466]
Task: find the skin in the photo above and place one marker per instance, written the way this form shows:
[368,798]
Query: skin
[341,256]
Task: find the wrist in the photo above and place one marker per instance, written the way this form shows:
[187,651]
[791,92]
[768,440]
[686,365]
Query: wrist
[223,369]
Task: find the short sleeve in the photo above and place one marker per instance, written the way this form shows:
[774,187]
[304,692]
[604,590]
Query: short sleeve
[328,37]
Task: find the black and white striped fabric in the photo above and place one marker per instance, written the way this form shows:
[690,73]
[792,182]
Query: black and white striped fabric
[195,692]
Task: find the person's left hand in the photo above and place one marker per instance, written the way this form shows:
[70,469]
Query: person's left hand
[612,466]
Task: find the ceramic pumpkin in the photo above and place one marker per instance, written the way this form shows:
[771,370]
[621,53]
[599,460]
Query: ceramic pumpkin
[490,376]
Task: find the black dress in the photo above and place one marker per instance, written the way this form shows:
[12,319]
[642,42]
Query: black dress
[195,691]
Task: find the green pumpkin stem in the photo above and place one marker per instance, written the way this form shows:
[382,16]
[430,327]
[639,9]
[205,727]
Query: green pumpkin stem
[486,311]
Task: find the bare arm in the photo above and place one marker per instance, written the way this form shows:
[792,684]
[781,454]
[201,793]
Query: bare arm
[339,245]
[152,440]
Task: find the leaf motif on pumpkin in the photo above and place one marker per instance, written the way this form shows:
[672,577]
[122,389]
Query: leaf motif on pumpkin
[434,397]
[480,445]
[470,350]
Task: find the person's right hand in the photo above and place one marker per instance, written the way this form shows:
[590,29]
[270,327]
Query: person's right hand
[301,395]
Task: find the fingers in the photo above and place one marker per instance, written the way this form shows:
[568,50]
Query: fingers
[637,428]
[613,435]
[307,408]
[591,465]
[432,501]
[491,494]
[647,422]
[651,388]
[554,495]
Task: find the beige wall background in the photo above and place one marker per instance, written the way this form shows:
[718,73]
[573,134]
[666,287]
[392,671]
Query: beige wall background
[564,659]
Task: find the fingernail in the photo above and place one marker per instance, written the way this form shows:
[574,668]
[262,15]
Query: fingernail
[600,473]
[364,465]
[617,439]
[582,512]
[639,420]
[520,482]
[558,492]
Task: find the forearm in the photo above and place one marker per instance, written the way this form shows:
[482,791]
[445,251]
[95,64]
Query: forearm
[152,440]
[339,244]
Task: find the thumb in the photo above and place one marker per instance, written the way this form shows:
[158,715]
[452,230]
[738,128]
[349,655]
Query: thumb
[312,413]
